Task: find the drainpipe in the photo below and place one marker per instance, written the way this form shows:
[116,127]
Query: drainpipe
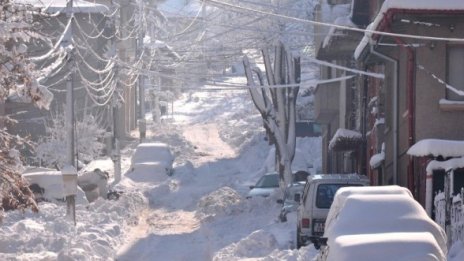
[410,88]
[411,112]
[429,192]
[395,109]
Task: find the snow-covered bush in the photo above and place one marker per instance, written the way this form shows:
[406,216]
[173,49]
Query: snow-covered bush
[51,149]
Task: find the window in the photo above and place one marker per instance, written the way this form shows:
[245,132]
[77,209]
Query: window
[455,71]
[326,193]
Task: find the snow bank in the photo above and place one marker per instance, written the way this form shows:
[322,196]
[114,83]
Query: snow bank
[223,201]
[49,235]
[258,244]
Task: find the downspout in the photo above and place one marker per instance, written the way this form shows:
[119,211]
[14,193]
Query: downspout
[364,126]
[410,90]
[411,112]
[395,109]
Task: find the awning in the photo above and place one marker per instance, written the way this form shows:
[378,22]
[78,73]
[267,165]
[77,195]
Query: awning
[437,147]
[345,140]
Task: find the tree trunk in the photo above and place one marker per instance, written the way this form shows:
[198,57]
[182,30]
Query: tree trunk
[276,103]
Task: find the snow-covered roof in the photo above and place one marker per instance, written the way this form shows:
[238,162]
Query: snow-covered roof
[437,147]
[344,21]
[55,6]
[344,135]
[443,5]
[454,163]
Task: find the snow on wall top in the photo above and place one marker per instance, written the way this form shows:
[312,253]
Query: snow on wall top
[436,147]
[55,6]
[454,163]
[344,133]
[408,5]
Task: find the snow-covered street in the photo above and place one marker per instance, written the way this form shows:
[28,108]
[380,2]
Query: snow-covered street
[199,213]
[223,130]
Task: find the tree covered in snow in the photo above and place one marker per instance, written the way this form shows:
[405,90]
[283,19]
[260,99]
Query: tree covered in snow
[17,77]
[51,149]
[275,98]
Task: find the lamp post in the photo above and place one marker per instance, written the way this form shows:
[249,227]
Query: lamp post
[69,174]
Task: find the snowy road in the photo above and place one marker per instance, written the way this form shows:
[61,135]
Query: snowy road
[200,212]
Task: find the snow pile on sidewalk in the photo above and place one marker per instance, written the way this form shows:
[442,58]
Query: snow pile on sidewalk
[224,201]
[49,235]
[258,244]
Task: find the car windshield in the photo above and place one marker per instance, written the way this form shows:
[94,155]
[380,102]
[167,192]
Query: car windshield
[268,181]
[326,193]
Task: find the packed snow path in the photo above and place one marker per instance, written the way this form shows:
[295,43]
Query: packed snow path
[200,213]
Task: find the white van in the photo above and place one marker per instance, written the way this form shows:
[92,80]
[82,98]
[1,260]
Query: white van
[318,195]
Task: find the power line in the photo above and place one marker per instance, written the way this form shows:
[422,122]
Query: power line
[295,19]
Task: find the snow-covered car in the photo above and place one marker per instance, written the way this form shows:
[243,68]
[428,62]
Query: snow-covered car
[269,182]
[343,193]
[291,199]
[382,227]
[318,195]
[154,157]
[266,185]
[47,185]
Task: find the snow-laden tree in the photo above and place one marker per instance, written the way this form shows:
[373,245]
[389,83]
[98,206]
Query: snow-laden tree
[17,77]
[51,149]
[275,98]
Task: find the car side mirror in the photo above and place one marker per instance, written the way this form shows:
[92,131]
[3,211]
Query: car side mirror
[280,201]
[252,187]
[297,197]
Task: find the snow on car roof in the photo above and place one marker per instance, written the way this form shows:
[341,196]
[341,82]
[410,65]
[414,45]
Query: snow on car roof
[421,246]
[152,152]
[369,214]
[344,192]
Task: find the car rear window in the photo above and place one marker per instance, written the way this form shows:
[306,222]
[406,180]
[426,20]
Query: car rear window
[326,193]
[268,181]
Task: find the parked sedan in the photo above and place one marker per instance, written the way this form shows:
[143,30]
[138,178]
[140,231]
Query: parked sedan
[153,155]
[270,182]
[265,185]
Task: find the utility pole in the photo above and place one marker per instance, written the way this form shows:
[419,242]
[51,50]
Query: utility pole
[69,172]
[115,148]
[140,53]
